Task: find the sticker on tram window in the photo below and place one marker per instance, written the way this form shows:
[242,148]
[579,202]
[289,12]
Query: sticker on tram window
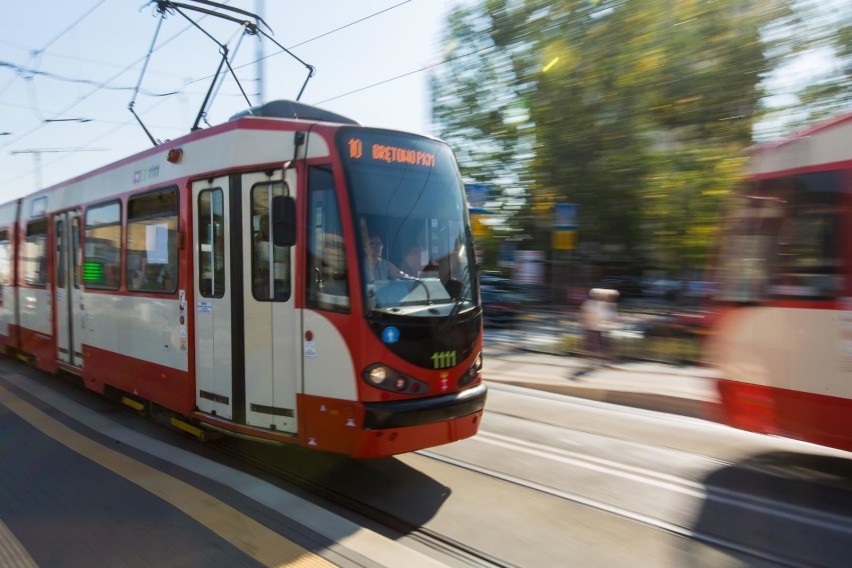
[443,359]
[93,272]
[390,335]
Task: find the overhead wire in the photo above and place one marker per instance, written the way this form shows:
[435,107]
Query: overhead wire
[105,85]
[37,52]
[322,35]
[414,72]
[96,89]
[19,70]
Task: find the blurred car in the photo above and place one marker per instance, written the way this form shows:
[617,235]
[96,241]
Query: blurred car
[492,280]
[501,308]
[676,325]
[698,290]
[627,286]
[663,289]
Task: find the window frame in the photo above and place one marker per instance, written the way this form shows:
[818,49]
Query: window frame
[172,245]
[87,228]
[315,295]
[214,293]
[40,260]
[257,271]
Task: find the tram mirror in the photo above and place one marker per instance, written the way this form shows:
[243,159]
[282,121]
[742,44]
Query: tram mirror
[283,221]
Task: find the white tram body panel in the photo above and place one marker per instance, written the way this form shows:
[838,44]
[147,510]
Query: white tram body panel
[327,358]
[752,345]
[153,336]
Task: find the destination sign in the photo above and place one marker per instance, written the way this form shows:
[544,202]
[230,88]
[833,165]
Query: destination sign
[390,154]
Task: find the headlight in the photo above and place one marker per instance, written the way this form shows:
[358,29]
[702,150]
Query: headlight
[378,375]
[472,373]
[386,378]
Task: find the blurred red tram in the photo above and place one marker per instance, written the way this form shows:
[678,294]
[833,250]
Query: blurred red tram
[783,339]
[220,278]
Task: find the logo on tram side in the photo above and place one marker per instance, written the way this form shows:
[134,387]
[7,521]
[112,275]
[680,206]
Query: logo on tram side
[146,174]
[443,359]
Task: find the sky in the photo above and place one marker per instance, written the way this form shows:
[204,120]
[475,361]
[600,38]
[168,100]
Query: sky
[69,70]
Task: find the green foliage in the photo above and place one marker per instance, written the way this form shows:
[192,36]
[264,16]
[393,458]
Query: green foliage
[636,111]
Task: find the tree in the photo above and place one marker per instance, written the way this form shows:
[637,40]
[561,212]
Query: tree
[636,111]
[476,109]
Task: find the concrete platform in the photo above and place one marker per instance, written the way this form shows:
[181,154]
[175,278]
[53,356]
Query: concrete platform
[80,489]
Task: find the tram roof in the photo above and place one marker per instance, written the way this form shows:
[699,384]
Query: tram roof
[295,110]
[817,147]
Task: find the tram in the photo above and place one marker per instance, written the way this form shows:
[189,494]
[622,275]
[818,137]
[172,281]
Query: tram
[783,334]
[226,279]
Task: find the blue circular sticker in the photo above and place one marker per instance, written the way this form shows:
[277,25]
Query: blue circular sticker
[390,335]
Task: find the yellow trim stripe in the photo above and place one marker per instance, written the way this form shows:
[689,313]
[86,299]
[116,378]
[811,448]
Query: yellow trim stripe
[138,406]
[264,545]
[188,428]
[12,552]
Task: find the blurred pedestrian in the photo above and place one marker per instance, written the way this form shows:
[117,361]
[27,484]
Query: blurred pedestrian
[598,315]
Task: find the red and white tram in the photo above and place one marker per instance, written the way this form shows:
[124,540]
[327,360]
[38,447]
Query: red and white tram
[783,339]
[224,278]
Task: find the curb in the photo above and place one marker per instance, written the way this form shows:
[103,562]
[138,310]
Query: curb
[694,408]
[592,388]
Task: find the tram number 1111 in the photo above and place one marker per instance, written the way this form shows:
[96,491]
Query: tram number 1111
[443,359]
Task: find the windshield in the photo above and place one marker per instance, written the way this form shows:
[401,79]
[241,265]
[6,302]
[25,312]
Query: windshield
[410,219]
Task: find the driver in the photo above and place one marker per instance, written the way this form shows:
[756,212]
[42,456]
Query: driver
[380,268]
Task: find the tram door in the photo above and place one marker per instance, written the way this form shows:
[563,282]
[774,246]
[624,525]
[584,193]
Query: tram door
[212,288]
[272,359]
[67,296]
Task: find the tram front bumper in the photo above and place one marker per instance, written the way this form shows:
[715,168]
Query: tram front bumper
[406,413]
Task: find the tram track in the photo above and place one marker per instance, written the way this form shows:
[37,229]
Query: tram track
[770,509]
[674,483]
[444,545]
[463,554]
[714,491]
[621,512]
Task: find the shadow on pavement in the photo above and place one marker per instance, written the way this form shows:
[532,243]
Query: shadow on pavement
[793,507]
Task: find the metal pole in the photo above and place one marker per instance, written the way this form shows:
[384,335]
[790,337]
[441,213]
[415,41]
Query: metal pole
[260,94]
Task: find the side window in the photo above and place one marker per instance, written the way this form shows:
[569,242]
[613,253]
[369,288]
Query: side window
[61,244]
[75,251]
[327,273]
[211,243]
[35,253]
[102,252]
[152,229]
[5,264]
[270,264]
[808,261]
